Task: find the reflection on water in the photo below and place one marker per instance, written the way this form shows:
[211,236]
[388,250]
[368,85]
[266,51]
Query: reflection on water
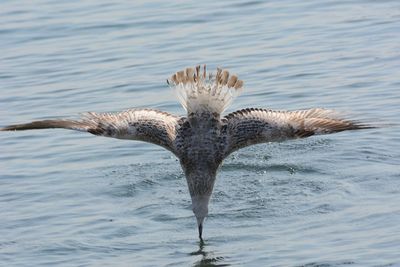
[208,258]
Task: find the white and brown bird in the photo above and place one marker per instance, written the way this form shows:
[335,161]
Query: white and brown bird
[203,138]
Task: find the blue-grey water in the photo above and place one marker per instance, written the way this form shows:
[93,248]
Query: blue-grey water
[73,199]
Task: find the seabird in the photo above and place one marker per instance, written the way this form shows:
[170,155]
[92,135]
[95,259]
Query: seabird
[203,138]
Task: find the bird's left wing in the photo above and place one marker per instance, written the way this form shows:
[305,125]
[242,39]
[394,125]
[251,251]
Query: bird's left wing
[147,125]
[253,126]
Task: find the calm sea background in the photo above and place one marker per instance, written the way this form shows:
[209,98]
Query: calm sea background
[72,199]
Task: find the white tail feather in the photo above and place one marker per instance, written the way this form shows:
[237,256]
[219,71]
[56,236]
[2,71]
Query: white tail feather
[198,92]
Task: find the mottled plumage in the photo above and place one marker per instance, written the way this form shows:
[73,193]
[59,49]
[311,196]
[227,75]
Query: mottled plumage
[203,138]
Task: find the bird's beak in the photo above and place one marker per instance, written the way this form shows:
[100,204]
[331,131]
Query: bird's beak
[201,231]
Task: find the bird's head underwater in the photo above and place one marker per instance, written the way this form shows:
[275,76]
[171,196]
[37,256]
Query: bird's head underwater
[200,210]
[201,185]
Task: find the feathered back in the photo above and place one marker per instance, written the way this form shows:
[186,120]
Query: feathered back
[199,92]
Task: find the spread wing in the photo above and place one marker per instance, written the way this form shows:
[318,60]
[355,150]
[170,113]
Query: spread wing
[253,126]
[147,125]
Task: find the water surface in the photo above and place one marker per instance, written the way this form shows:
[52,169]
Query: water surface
[72,199]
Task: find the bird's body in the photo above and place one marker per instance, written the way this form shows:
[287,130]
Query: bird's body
[202,139]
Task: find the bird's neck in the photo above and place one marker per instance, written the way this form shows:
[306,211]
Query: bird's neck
[201,180]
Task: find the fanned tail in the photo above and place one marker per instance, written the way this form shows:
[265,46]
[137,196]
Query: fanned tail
[199,92]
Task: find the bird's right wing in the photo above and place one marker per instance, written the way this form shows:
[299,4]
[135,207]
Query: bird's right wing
[147,125]
[253,126]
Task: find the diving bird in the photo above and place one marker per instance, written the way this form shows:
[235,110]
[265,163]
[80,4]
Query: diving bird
[203,138]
